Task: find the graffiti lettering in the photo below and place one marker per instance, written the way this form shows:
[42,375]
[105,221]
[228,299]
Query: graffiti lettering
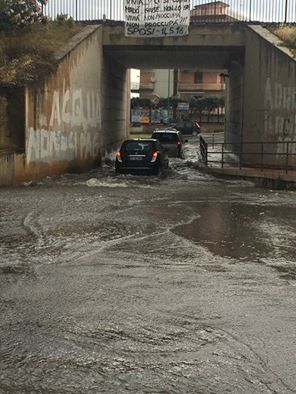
[75,109]
[72,130]
[279,109]
[45,146]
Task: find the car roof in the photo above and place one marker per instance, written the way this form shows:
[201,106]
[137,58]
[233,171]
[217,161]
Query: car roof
[166,131]
[141,139]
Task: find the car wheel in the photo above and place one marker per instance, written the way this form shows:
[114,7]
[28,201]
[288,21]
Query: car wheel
[181,154]
[159,172]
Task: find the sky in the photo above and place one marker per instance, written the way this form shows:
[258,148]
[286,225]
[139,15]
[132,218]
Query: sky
[262,10]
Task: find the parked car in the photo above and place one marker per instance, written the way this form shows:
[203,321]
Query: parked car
[171,140]
[188,127]
[142,155]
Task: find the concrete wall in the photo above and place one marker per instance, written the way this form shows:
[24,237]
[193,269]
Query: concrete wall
[73,117]
[4,127]
[12,119]
[234,105]
[269,92]
[63,113]
[115,104]
[223,34]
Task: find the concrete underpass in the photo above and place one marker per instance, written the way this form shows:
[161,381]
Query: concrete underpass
[85,111]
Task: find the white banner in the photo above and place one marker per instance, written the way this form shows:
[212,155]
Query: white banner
[156,18]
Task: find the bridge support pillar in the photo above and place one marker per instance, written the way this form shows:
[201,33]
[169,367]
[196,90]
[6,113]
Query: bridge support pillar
[115,102]
[234,103]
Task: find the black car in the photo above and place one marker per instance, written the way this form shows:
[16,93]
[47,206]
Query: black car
[141,155]
[188,127]
[171,140]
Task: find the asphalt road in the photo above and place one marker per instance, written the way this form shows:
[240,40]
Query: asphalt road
[133,284]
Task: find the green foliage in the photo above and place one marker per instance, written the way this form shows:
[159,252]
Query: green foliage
[4,18]
[205,105]
[26,68]
[288,35]
[28,55]
[170,102]
[65,20]
[197,104]
[164,102]
[138,102]
[20,13]
[290,41]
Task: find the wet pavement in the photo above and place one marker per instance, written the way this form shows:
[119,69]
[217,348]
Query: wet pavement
[116,284]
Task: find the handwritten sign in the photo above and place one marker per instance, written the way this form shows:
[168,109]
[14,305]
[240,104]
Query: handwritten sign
[156,18]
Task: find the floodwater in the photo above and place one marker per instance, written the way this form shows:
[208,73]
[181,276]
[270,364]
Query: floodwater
[137,284]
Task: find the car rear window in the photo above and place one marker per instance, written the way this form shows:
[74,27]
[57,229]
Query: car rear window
[166,137]
[138,146]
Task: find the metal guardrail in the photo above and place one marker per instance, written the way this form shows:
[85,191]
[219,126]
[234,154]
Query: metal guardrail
[202,11]
[263,155]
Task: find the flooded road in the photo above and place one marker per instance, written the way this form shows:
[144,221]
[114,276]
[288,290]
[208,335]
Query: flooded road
[116,284]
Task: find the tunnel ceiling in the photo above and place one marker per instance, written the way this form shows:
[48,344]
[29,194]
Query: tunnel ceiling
[174,57]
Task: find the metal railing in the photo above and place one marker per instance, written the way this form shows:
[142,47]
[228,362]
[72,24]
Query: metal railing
[188,86]
[202,11]
[265,155]
[146,86]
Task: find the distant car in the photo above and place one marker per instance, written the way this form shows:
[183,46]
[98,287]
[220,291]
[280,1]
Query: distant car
[171,140]
[142,156]
[188,127]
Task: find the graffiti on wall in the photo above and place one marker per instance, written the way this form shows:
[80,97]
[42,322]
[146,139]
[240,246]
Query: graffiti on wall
[44,146]
[280,110]
[71,131]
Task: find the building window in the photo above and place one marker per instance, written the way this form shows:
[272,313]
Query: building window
[198,77]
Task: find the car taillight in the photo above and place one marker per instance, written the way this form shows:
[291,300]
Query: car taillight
[119,156]
[154,157]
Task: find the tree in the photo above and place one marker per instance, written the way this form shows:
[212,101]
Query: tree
[197,106]
[20,13]
[138,102]
[170,102]
[211,103]
[205,105]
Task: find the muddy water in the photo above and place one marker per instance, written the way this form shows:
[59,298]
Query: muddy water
[115,284]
